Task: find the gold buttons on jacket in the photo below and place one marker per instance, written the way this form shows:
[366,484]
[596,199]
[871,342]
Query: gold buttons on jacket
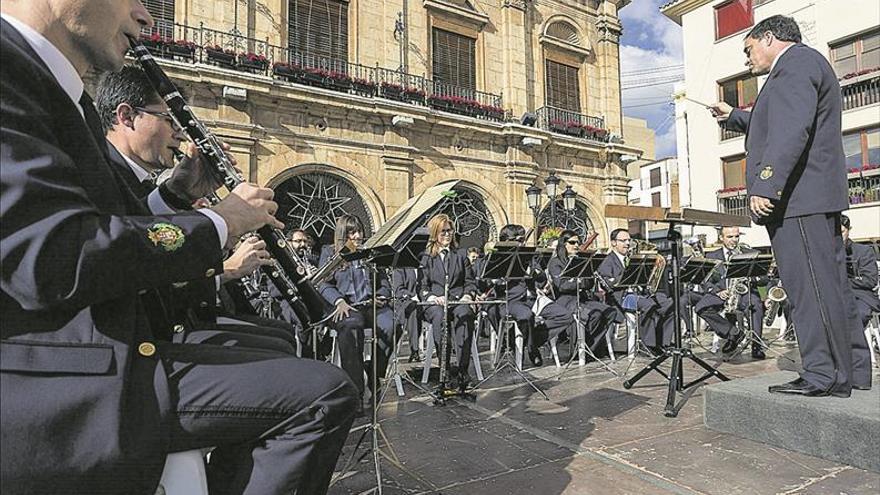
[146,349]
[209,273]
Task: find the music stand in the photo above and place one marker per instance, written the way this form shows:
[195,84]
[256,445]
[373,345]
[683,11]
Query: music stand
[689,216]
[508,262]
[697,272]
[581,266]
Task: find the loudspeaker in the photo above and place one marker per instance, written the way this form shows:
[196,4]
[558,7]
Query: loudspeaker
[529,119]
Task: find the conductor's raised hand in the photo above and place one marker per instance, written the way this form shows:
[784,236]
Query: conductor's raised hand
[720,110]
[247,208]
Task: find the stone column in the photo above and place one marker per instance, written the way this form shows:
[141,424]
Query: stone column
[517,55]
[608,63]
[398,182]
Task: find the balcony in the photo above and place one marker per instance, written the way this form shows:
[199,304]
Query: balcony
[200,45]
[733,201]
[727,134]
[860,90]
[572,124]
[864,186]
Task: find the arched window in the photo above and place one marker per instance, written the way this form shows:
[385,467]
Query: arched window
[577,220]
[314,201]
[473,222]
[564,32]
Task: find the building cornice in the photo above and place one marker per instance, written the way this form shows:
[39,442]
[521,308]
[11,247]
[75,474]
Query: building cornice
[473,17]
[677,8]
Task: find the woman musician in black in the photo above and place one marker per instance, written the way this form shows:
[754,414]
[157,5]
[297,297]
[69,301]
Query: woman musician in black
[594,315]
[447,272]
[350,289]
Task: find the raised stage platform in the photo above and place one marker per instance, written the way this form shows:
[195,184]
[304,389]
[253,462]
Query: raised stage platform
[840,430]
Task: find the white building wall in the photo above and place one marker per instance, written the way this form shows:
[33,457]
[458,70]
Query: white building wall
[708,61]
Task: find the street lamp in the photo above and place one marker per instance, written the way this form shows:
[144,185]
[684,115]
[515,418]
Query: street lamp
[533,195]
[569,199]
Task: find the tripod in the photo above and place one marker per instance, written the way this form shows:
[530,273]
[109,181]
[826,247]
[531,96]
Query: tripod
[508,262]
[676,352]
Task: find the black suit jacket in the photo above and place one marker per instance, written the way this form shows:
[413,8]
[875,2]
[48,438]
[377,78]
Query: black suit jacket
[83,396]
[433,276]
[794,151]
[864,279]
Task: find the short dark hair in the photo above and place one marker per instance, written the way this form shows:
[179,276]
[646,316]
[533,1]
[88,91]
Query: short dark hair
[616,232]
[127,85]
[844,220]
[783,28]
[473,249]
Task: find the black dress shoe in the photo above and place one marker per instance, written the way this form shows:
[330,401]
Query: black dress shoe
[535,357]
[732,343]
[758,353]
[862,387]
[804,388]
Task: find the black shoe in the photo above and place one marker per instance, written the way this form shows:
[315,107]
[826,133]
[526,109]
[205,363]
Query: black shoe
[732,343]
[804,388]
[862,387]
[535,357]
[414,357]
[758,353]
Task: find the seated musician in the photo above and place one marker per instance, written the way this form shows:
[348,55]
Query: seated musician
[407,312]
[719,289]
[656,311]
[141,139]
[595,316]
[350,289]
[446,271]
[862,273]
[691,293]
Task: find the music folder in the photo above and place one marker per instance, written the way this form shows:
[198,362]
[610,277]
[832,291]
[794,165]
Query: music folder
[583,265]
[748,265]
[638,272]
[697,271]
[508,261]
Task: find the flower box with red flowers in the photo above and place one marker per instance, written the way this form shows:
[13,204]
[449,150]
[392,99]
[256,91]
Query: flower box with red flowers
[220,56]
[854,77]
[252,62]
[363,86]
[181,48]
[729,192]
[493,112]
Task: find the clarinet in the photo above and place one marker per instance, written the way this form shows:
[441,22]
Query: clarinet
[287,273]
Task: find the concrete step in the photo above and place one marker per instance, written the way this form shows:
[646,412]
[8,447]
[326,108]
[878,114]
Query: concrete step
[840,430]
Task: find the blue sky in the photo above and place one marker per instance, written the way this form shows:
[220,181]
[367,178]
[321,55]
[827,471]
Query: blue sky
[650,56]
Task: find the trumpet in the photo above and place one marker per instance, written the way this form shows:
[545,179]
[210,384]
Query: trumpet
[775,296]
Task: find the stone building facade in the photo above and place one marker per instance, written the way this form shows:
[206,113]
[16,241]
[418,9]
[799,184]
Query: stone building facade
[308,94]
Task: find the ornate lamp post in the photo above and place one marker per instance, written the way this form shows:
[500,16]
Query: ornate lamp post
[552,183]
[533,195]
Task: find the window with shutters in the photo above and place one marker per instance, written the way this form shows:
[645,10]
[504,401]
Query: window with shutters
[318,28]
[163,16]
[856,55]
[655,177]
[739,92]
[655,199]
[562,86]
[732,17]
[733,170]
[453,59]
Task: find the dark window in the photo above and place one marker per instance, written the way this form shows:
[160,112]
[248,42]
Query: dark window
[319,28]
[739,92]
[655,199]
[163,16]
[733,170]
[862,148]
[856,55]
[454,59]
[655,177]
[563,88]
[732,17]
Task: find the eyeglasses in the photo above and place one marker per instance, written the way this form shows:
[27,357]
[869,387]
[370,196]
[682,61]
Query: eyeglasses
[446,231]
[573,243]
[164,115]
[622,240]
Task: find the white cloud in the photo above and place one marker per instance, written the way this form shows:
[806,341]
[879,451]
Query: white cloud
[651,40]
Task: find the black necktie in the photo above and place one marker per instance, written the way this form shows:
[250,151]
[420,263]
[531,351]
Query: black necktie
[92,118]
[444,258]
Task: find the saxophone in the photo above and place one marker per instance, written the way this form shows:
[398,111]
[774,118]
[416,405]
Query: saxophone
[736,288]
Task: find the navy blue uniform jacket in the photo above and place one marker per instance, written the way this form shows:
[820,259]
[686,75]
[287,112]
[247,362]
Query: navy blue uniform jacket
[793,144]
[83,394]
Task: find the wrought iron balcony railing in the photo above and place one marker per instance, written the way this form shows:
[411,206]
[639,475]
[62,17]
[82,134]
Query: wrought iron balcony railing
[572,123]
[864,186]
[730,134]
[733,201]
[862,91]
[237,52]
